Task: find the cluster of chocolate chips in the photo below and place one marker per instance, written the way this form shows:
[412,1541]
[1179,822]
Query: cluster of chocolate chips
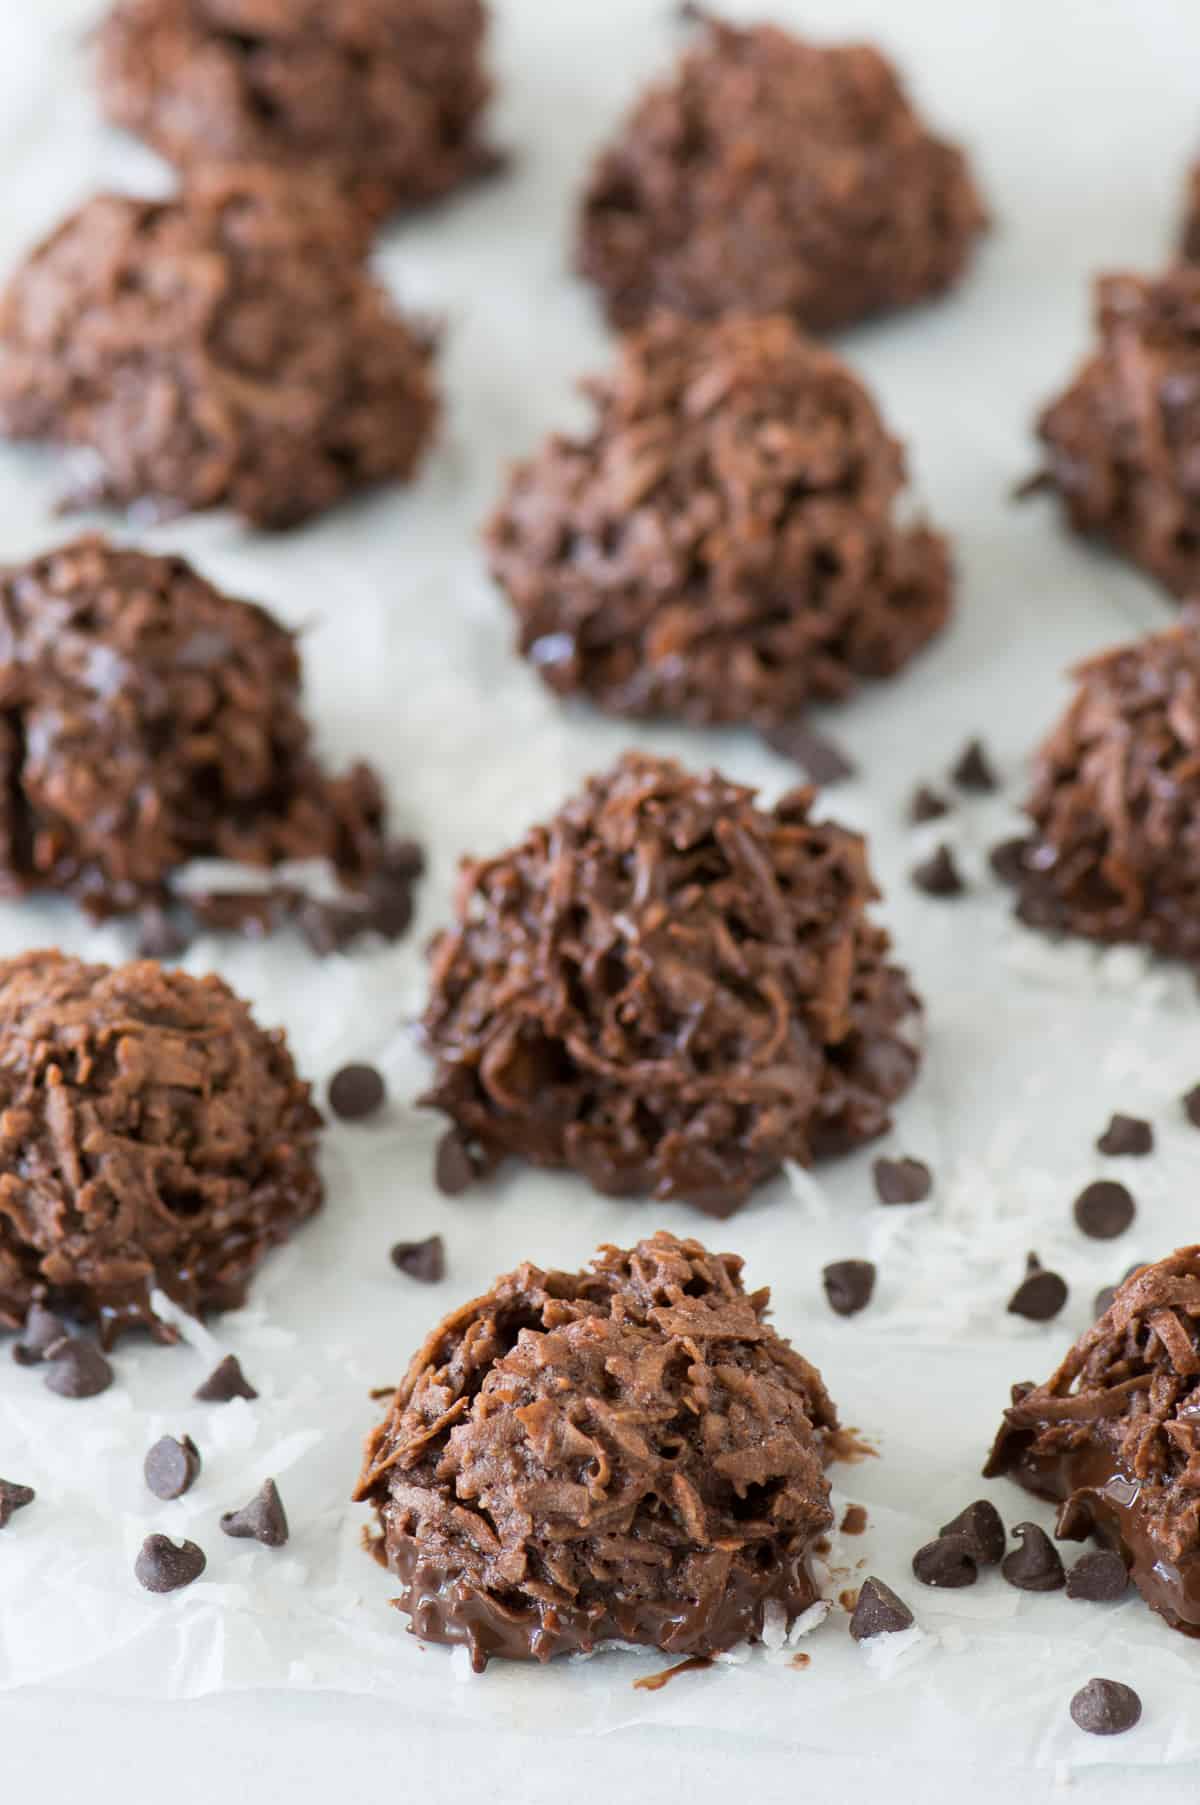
[972,774]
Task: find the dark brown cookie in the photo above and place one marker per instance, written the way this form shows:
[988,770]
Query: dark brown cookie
[703,992]
[382,96]
[723,544]
[152,1136]
[512,1390]
[225,348]
[771,175]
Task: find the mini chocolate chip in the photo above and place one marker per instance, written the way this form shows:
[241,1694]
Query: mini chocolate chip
[926,805]
[902,1180]
[402,859]
[1104,1298]
[948,1562]
[76,1368]
[1007,859]
[165,1566]
[391,910]
[822,761]
[1106,1708]
[1104,1209]
[423,1260]
[13,1497]
[158,935]
[1039,1296]
[225,1382]
[1127,1135]
[356,1092]
[878,1612]
[1191,1106]
[171,1466]
[42,1329]
[980,1527]
[454,1169]
[973,771]
[262,1520]
[1099,1576]
[1036,1565]
[848,1285]
[939,875]
[328,927]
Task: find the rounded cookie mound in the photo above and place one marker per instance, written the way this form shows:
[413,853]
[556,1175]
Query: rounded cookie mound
[769,175]
[1122,443]
[383,95]
[224,348]
[670,990]
[721,546]
[147,720]
[628,1452]
[151,1136]
[1113,1436]
[1115,848]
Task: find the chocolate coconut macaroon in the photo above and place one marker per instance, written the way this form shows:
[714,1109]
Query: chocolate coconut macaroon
[224,348]
[152,1137]
[1111,1436]
[627,1453]
[725,543]
[670,990]
[384,97]
[150,721]
[1114,851]
[771,175]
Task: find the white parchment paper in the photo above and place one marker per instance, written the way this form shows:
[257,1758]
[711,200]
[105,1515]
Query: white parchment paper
[1081,115]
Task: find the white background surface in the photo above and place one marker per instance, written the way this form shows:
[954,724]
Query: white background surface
[1081,115]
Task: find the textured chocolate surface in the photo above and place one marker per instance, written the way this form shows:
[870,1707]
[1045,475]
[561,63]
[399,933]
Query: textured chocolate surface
[147,720]
[670,990]
[1115,804]
[384,96]
[151,1136]
[722,545]
[769,175]
[1122,443]
[629,1452]
[1112,1435]
[224,348]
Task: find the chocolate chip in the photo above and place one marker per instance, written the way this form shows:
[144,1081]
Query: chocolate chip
[356,1092]
[848,1285]
[13,1497]
[1104,1299]
[926,805]
[171,1466]
[1007,859]
[948,1562]
[1126,1135]
[1099,1576]
[973,770]
[328,926]
[822,761]
[1106,1708]
[76,1368]
[159,937]
[902,1180]
[226,1382]
[1036,1565]
[42,1329]
[1191,1106]
[878,1612]
[165,1566]
[454,1169]
[980,1527]
[1104,1209]
[1039,1296]
[423,1260]
[262,1520]
[939,875]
